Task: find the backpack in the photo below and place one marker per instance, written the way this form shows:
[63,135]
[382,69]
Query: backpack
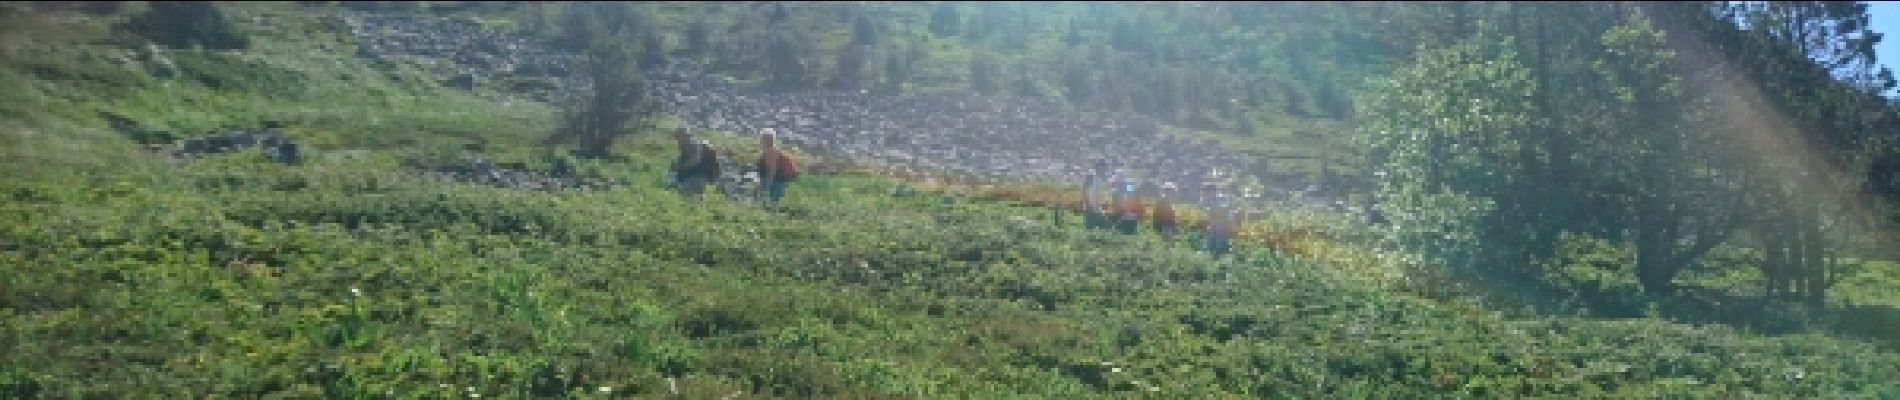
[1164,213]
[709,162]
[787,171]
[1132,209]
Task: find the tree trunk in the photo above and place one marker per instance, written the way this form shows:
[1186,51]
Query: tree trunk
[1775,258]
[1816,253]
[1652,248]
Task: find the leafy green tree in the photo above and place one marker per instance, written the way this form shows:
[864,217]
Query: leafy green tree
[617,103]
[1443,128]
[1799,86]
[1652,153]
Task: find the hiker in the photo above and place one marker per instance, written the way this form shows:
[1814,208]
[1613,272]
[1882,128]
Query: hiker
[698,164]
[1116,198]
[1164,219]
[1129,208]
[1092,195]
[776,169]
[685,156]
[1220,220]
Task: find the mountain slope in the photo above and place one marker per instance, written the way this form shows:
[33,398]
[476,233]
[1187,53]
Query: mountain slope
[130,273]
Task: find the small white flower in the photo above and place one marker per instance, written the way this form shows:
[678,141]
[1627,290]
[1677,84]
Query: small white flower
[1115,370]
[356,292]
[605,389]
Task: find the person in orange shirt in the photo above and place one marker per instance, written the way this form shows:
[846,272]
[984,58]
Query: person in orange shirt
[1164,219]
[775,169]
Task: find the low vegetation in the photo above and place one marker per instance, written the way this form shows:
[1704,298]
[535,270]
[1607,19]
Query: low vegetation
[125,273]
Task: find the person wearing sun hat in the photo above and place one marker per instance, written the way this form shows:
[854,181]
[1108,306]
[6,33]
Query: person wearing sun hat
[775,168]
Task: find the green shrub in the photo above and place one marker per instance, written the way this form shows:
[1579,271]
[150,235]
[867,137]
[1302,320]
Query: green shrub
[184,24]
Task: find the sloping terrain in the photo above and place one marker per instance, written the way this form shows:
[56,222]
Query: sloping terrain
[128,273]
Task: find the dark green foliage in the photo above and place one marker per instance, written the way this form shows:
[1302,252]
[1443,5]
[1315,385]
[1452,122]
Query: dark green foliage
[1622,121]
[185,24]
[618,103]
[617,106]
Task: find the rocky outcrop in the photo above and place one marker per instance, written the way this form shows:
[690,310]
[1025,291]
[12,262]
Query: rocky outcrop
[464,53]
[480,171]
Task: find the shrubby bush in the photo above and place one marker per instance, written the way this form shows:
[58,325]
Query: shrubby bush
[185,24]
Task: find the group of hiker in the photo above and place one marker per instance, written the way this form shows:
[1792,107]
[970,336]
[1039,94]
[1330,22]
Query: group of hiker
[1127,204]
[700,164]
[1124,209]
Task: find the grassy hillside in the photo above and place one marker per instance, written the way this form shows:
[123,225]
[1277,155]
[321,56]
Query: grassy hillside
[130,275]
